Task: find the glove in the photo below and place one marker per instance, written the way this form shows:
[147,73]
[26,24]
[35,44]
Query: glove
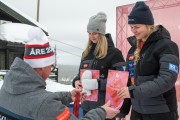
[88,83]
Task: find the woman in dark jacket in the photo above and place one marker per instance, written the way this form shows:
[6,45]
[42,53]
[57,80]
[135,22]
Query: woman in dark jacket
[100,54]
[153,63]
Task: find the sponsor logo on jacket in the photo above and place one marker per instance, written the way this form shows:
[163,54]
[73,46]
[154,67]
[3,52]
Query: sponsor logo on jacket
[4,118]
[85,65]
[173,68]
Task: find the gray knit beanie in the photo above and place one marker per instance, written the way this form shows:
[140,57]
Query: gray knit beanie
[97,23]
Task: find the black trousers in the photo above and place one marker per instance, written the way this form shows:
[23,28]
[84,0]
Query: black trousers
[84,112]
[159,116]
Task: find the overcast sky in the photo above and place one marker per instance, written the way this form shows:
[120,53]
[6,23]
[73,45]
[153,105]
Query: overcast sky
[66,22]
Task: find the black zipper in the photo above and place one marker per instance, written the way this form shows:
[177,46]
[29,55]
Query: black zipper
[92,66]
[141,60]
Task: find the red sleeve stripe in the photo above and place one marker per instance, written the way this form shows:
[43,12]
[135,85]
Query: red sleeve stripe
[64,115]
[37,45]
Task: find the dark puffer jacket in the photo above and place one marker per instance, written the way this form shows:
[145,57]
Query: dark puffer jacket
[155,75]
[114,60]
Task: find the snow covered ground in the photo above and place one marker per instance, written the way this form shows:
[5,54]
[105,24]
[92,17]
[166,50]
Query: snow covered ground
[53,86]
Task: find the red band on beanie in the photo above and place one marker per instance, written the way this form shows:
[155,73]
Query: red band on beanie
[37,45]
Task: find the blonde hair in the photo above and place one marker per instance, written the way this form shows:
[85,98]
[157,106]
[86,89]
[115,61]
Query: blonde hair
[152,29]
[100,51]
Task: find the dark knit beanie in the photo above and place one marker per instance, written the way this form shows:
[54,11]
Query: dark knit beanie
[97,23]
[141,14]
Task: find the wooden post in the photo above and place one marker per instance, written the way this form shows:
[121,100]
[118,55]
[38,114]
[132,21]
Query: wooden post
[38,6]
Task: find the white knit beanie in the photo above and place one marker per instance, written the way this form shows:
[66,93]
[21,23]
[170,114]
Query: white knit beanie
[97,23]
[38,53]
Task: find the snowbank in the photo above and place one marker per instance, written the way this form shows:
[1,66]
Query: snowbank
[16,32]
[1,82]
[53,86]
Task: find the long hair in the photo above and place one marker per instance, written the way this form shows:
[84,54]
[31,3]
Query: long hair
[100,51]
[152,29]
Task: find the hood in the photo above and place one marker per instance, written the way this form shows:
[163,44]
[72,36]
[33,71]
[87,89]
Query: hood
[132,41]
[21,78]
[109,39]
[160,34]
